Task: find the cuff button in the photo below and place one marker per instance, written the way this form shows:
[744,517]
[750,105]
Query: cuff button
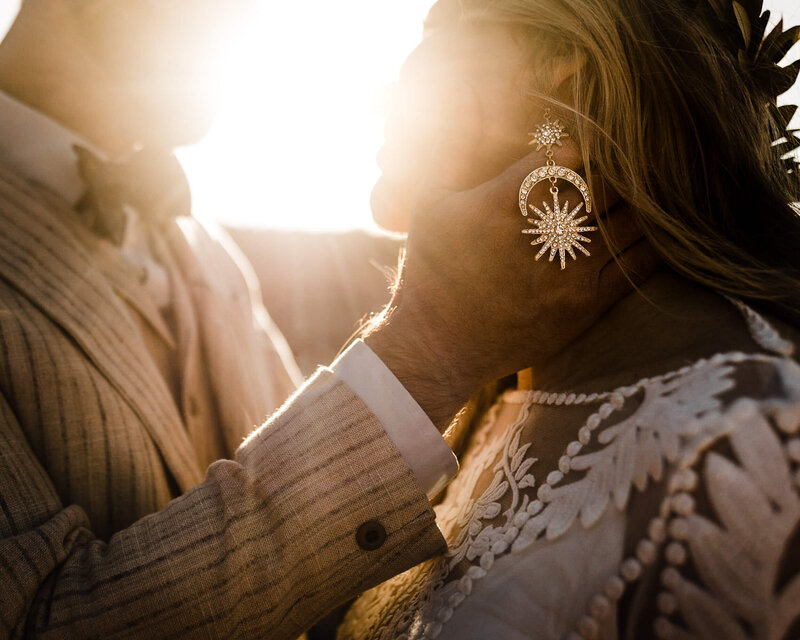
[371,535]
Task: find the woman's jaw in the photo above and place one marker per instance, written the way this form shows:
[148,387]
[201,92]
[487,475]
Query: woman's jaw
[459,118]
[389,210]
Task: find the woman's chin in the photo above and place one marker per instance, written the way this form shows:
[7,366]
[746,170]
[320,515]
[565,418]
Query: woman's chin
[389,210]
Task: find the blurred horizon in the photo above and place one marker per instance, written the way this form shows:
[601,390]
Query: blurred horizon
[294,142]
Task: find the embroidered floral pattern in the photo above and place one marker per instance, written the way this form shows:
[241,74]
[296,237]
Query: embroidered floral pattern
[669,422]
[738,557]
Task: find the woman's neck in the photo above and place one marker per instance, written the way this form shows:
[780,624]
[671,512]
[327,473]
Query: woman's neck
[668,323]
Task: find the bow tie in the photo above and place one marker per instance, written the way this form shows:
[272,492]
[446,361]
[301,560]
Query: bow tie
[152,182]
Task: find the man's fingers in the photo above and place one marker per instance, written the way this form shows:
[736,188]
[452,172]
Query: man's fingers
[621,229]
[502,193]
[505,187]
[635,265]
[620,233]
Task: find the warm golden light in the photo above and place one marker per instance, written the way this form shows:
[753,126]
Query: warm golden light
[295,141]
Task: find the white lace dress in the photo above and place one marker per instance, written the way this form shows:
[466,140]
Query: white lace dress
[708,546]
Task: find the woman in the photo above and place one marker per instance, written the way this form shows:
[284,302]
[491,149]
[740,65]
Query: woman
[644,482]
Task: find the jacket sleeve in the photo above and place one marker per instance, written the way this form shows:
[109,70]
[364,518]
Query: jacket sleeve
[264,546]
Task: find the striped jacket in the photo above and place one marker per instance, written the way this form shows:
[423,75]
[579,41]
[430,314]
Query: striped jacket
[93,450]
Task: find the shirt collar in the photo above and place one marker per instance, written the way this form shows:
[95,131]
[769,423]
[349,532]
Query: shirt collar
[40,149]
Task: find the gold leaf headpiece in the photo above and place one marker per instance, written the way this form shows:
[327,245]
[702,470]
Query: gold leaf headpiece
[759,54]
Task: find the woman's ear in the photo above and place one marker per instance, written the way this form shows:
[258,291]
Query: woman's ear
[553,75]
[561,74]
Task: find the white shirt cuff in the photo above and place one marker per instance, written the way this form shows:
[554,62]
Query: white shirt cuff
[425,451]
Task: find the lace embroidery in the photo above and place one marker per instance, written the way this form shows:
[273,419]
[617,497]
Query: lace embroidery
[763,333]
[677,418]
[738,568]
[635,449]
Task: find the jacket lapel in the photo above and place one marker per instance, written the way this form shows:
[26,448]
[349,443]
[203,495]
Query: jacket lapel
[250,368]
[46,255]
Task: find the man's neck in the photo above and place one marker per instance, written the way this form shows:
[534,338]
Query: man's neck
[44,100]
[59,79]
[669,323]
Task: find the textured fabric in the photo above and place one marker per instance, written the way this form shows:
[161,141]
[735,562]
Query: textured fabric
[150,181]
[93,448]
[669,508]
[429,456]
[142,280]
[152,304]
[40,148]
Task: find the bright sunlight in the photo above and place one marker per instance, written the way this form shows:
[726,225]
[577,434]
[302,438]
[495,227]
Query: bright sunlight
[298,128]
[295,141]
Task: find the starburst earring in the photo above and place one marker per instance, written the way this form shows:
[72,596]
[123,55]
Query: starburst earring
[557,229]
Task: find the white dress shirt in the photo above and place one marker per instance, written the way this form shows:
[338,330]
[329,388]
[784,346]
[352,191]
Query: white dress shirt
[40,149]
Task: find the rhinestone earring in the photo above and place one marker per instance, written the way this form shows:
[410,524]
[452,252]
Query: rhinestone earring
[557,230]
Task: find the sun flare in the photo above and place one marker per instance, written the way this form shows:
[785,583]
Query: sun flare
[295,141]
[297,131]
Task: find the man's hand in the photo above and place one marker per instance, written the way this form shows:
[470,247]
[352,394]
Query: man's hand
[472,303]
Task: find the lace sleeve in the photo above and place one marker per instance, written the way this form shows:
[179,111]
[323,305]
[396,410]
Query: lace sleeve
[728,535]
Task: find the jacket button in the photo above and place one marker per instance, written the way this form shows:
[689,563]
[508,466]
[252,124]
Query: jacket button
[371,535]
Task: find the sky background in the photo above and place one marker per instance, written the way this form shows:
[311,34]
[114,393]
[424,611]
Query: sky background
[294,143]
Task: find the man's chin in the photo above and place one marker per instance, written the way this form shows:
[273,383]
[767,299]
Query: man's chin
[389,210]
[172,118]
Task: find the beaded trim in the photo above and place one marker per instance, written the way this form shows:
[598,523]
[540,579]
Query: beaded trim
[678,502]
[669,528]
[764,334]
[531,517]
[514,536]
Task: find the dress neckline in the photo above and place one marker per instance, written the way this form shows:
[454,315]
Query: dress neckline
[763,333]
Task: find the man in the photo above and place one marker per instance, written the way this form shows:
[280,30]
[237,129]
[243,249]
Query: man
[136,357]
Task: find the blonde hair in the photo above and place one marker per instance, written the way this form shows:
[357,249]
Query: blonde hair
[663,108]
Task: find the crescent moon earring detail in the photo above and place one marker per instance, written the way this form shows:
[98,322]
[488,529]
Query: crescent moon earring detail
[557,229]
